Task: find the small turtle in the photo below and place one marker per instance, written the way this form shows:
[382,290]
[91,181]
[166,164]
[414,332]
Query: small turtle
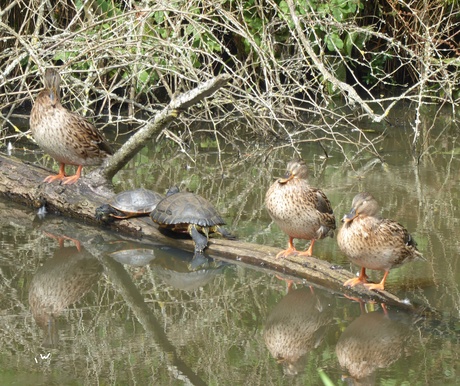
[131,203]
[189,213]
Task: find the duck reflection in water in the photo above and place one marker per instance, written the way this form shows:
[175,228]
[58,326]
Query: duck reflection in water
[58,283]
[372,341]
[295,327]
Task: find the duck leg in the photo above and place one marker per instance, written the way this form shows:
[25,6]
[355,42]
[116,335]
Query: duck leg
[72,179]
[380,286]
[290,251]
[361,279]
[309,251]
[60,240]
[60,176]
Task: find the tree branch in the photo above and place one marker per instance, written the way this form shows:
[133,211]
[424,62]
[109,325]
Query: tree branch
[344,87]
[160,121]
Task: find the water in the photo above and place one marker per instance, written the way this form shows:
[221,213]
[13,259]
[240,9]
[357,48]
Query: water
[79,315]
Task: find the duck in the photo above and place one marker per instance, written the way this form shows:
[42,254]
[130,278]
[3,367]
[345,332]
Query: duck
[373,242]
[65,135]
[301,211]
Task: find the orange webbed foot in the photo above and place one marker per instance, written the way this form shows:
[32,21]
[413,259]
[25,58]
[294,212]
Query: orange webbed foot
[361,279]
[306,253]
[72,179]
[380,286]
[309,251]
[290,251]
[56,177]
[287,252]
[373,286]
[355,281]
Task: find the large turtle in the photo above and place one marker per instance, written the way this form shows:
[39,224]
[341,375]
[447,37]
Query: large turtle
[189,213]
[130,203]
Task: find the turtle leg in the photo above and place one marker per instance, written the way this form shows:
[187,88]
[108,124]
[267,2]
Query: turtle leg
[200,240]
[199,261]
[225,233]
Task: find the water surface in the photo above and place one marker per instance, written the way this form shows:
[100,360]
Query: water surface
[81,315]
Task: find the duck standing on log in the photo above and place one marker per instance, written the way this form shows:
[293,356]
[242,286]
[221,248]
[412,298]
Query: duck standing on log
[302,212]
[64,135]
[373,242]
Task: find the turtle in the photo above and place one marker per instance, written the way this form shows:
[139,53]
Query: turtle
[130,203]
[187,212]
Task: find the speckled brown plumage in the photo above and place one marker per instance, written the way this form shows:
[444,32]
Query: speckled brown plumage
[295,327]
[373,242]
[58,283]
[372,341]
[66,136]
[302,212]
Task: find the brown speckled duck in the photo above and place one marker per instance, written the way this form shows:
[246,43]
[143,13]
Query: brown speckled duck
[302,212]
[373,242]
[66,136]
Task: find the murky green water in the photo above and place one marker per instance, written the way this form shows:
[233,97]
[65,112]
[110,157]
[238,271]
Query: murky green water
[81,316]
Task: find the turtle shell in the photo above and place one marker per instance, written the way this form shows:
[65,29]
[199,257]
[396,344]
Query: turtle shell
[186,208]
[138,201]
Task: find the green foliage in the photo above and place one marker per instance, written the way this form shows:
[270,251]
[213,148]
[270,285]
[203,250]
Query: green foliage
[331,33]
[105,7]
[204,29]
[327,35]
[143,29]
[376,69]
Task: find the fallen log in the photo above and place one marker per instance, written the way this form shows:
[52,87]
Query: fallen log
[23,183]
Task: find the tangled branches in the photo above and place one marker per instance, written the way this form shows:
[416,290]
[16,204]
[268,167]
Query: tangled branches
[302,71]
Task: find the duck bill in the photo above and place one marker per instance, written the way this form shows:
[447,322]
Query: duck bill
[350,216]
[288,177]
[53,96]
